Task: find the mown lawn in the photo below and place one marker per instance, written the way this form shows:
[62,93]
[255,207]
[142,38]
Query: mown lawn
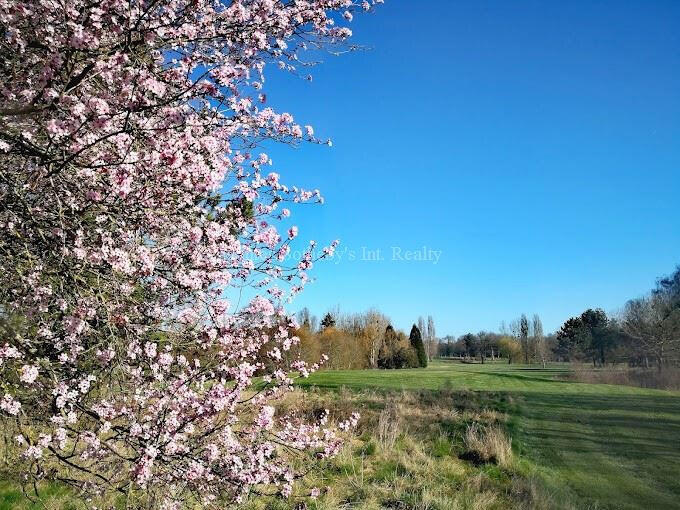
[594,445]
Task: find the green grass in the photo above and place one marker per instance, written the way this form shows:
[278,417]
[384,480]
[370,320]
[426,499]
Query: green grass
[53,496]
[595,445]
[575,446]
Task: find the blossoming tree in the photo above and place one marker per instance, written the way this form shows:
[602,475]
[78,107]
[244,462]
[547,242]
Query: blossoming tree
[132,206]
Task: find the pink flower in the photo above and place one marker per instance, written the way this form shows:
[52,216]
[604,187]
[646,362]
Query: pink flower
[150,349]
[9,405]
[8,352]
[265,419]
[29,373]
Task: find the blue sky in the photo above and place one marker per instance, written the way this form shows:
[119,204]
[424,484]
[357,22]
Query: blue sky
[534,144]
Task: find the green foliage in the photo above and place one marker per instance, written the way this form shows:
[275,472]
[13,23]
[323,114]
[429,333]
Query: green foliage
[396,351]
[509,348]
[470,343]
[591,335]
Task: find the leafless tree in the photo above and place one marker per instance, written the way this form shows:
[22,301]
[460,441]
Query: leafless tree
[524,336]
[540,347]
[431,338]
[374,324]
[654,322]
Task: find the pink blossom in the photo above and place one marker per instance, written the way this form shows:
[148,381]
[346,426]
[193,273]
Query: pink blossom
[144,204]
[9,405]
[29,373]
[8,352]
[150,349]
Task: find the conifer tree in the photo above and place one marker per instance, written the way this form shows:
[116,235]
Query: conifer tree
[328,321]
[417,343]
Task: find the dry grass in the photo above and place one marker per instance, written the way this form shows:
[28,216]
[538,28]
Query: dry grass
[389,421]
[487,444]
[407,453]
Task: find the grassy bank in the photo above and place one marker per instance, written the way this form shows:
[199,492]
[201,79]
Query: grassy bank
[594,445]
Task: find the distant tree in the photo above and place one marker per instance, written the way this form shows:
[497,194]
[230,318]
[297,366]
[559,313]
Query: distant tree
[510,348]
[597,338]
[569,338]
[328,321]
[524,336]
[387,348]
[446,346]
[373,328]
[654,322]
[431,337]
[304,318]
[589,335]
[421,326]
[416,341]
[669,288]
[484,343]
[470,343]
[540,348]
[396,351]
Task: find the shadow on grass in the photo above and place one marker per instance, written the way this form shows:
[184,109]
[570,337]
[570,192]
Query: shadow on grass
[518,377]
[611,449]
[621,451]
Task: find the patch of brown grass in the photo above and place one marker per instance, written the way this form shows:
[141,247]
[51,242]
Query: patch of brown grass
[408,453]
[487,445]
[388,425]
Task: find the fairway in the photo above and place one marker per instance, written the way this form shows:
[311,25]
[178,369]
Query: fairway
[594,445]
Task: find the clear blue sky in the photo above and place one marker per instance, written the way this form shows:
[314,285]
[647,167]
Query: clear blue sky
[535,144]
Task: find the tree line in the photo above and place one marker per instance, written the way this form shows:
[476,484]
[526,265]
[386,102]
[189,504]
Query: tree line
[363,340]
[645,332]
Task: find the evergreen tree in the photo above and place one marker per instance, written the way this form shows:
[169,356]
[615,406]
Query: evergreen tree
[328,321]
[416,340]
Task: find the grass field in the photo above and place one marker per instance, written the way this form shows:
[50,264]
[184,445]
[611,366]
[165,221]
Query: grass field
[595,445]
[573,445]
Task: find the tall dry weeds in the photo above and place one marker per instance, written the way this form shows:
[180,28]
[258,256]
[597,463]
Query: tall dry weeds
[389,423]
[487,444]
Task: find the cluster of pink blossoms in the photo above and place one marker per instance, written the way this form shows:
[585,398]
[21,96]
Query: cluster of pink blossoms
[134,213]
